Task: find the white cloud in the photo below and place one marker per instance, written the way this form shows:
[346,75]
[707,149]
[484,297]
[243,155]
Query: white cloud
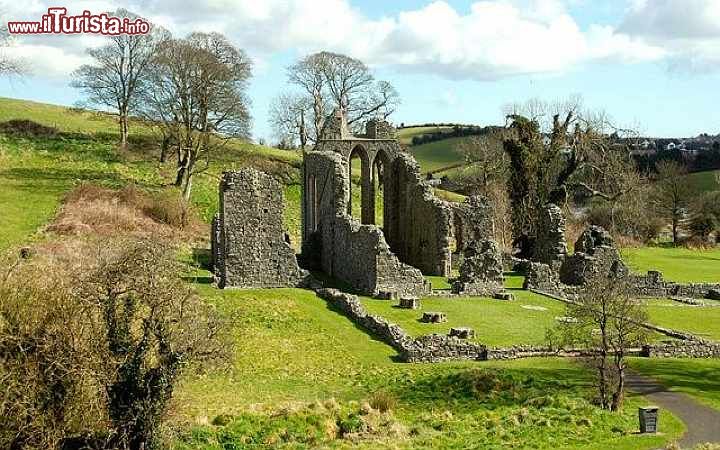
[688,31]
[495,39]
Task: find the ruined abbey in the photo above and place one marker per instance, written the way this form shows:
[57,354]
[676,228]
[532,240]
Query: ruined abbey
[420,235]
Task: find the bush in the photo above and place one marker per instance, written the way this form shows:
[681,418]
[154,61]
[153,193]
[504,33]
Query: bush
[27,128]
[92,342]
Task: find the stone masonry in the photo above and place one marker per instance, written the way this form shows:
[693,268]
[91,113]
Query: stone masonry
[550,245]
[481,272]
[250,247]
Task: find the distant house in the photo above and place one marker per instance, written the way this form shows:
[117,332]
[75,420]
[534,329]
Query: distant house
[671,146]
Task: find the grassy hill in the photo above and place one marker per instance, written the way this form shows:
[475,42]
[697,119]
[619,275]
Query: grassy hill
[302,372]
[405,135]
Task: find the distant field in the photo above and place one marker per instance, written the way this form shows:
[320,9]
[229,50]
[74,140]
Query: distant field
[437,155]
[704,181]
[405,135]
[677,264]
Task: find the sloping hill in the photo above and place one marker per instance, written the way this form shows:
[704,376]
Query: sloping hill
[36,170]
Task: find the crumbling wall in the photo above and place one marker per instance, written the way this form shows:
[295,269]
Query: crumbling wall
[419,230]
[338,244]
[550,245]
[481,272]
[251,249]
[653,285]
[472,220]
[595,254]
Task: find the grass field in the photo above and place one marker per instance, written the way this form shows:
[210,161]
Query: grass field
[677,264]
[294,350]
[703,321]
[291,349]
[405,135]
[437,155]
[496,322]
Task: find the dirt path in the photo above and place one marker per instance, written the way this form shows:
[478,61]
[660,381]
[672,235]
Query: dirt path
[703,422]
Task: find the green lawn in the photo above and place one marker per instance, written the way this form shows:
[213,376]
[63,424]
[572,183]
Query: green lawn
[496,322]
[698,320]
[696,377]
[293,350]
[704,181]
[677,264]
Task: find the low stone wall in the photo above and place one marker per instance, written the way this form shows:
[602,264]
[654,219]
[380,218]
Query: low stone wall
[431,348]
[683,349]
[652,284]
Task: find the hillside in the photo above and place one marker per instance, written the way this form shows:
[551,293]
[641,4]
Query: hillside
[38,170]
[302,372]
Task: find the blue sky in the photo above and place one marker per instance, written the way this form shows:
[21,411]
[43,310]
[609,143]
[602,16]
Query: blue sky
[653,65]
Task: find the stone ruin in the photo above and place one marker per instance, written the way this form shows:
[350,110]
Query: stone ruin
[595,254]
[481,272]
[416,237]
[250,248]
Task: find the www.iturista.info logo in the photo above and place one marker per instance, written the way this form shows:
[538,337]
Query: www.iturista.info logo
[56,21]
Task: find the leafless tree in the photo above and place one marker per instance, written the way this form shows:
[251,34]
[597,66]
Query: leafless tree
[197,92]
[486,160]
[607,321]
[672,194]
[113,81]
[289,116]
[331,80]
[9,66]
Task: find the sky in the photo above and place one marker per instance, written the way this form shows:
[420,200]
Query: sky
[652,65]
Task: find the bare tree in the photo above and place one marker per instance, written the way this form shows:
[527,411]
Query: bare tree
[672,194]
[486,161]
[331,80]
[197,91]
[572,150]
[289,116]
[9,65]
[113,80]
[607,321]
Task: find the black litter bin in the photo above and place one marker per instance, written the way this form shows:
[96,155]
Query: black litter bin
[648,419]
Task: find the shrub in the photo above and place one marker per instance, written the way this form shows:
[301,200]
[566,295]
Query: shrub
[168,207]
[383,401]
[92,342]
[27,128]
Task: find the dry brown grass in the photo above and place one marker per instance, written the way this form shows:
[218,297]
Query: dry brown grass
[93,209]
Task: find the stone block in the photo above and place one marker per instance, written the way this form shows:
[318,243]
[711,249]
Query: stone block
[504,296]
[462,332]
[434,317]
[409,303]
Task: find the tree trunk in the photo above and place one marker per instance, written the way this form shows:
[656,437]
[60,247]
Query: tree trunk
[187,187]
[674,229]
[123,129]
[164,147]
[619,395]
[182,168]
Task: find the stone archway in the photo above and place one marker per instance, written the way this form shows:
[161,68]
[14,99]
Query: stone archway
[367,211]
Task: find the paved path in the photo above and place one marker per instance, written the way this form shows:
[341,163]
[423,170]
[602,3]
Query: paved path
[702,422]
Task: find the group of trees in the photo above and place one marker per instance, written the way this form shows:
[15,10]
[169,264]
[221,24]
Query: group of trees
[192,90]
[320,83]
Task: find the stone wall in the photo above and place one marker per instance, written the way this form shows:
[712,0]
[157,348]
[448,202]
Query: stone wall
[683,349]
[340,246]
[431,348]
[420,229]
[550,245]
[481,272]
[251,248]
[652,284]
[472,220]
